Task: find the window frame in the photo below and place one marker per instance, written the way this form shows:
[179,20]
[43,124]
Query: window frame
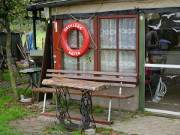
[96,38]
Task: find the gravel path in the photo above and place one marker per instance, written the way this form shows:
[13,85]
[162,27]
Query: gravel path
[149,125]
[138,125]
[7,84]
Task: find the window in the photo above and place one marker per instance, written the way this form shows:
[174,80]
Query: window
[75,39]
[113,47]
[118,44]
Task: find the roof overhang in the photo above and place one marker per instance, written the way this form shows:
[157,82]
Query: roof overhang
[40,6]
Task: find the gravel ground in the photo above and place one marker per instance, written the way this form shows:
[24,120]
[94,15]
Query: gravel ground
[137,125]
[123,124]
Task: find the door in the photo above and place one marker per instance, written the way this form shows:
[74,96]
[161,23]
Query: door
[162,80]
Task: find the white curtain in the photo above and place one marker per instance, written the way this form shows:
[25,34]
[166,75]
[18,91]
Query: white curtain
[89,26]
[127,33]
[108,33]
[126,40]
[108,60]
[87,61]
[127,61]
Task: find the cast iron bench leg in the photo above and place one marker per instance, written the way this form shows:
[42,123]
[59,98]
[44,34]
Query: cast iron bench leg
[87,118]
[62,104]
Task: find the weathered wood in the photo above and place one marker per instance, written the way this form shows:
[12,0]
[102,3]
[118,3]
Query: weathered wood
[30,70]
[78,92]
[124,85]
[79,118]
[76,84]
[93,78]
[46,62]
[93,73]
[82,76]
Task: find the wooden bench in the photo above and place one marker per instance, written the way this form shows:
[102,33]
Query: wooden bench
[114,78]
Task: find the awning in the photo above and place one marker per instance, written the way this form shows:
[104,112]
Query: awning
[67,7]
[118,5]
[41,5]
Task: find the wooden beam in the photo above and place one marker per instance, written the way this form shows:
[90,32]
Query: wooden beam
[93,72]
[78,92]
[141,61]
[93,78]
[101,121]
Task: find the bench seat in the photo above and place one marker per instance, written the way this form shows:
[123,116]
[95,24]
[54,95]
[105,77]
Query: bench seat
[127,80]
[77,92]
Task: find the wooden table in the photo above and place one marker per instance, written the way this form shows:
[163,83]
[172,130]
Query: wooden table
[31,72]
[63,99]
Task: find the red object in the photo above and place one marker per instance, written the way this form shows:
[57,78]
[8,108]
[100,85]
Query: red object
[57,52]
[86,39]
[146,81]
[148,70]
[101,121]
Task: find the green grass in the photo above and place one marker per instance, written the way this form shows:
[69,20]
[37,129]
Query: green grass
[6,76]
[122,133]
[39,36]
[24,81]
[98,111]
[128,117]
[145,113]
[74,106]
[10,110]
[78,133]
[100,129]
[59,129]
[27,94]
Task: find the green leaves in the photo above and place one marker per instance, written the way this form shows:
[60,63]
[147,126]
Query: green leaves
[13,11]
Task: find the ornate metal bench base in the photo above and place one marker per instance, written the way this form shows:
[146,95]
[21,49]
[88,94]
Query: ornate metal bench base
[86,110]
[62,104]
[63,101]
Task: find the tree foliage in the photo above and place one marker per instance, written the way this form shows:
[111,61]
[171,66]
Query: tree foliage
[14,11]
[11,11]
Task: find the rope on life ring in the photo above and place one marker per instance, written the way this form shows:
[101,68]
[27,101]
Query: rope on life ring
[86,39]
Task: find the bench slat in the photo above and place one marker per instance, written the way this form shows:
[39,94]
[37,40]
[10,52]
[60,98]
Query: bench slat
[78,92]
[93,72]
[93,78]
[124,85]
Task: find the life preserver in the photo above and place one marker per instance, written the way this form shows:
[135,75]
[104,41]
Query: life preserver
[86,39]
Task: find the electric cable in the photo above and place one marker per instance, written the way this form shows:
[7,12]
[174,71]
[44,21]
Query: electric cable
[160,91]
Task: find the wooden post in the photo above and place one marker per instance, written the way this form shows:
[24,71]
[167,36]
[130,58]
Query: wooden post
[141,61]
[34,28]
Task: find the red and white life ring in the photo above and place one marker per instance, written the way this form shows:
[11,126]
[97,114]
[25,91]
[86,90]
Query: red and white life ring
[86,39]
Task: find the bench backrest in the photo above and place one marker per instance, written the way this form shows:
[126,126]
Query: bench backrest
[115,78]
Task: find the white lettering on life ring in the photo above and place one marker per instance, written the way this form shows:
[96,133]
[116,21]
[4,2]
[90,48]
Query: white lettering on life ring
[74,53]
[86,39]
[73,26]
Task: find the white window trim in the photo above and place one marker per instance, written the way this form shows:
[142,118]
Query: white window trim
[162,65]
